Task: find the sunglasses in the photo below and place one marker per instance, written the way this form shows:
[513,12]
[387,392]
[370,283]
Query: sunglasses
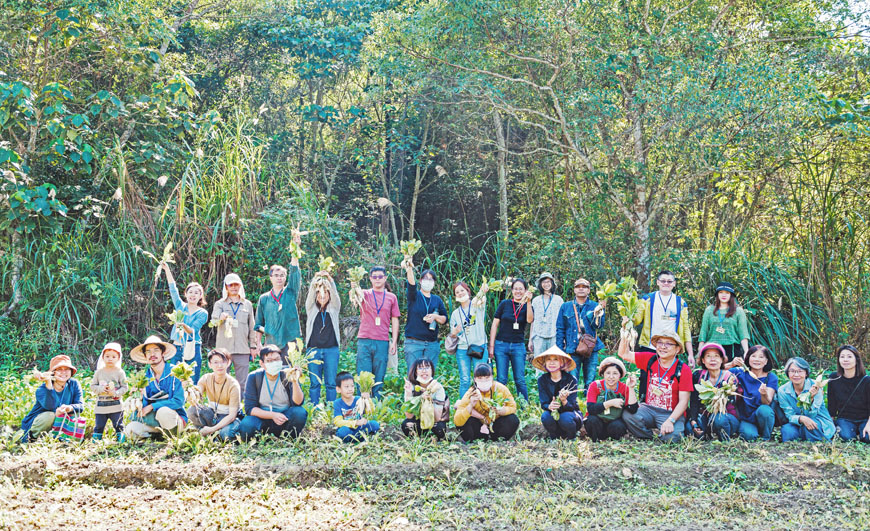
[377,277]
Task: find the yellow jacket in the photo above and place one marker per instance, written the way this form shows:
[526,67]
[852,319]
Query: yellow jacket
[500,390]
[643,315]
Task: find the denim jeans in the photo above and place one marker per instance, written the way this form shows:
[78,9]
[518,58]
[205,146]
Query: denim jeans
[723,426]
[416,349]
[850,430]
[466,368]
[197,358]
[515,355]
[323,374]
[371,356]
[539,345]
[762,427]
[640,424]
[296,417]
[203,416]
[352,435]
[589,366]
[799,432]
[566,427]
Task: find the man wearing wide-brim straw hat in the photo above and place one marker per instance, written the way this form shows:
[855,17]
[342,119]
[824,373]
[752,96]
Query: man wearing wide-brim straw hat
[665,387]
[162,406]
[557,391]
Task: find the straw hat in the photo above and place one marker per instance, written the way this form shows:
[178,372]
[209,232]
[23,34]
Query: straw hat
[61,361]
[611,360]
[138,353]
[668,335]
[568,363]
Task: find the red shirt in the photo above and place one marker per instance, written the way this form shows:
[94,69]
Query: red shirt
[597,387]
[660,391]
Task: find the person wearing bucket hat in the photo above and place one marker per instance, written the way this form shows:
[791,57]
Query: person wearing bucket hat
[803,403]
[60,395]
[607,399]
[186,334]
[577,328]
[701,423]
[725,323]
[277,320]
[221,415]
[665,387]
[661,311]
[109,385]
[162,407]
[233,314]
[546,308]
[557,393]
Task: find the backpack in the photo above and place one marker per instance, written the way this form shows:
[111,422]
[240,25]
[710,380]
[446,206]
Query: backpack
[644,376]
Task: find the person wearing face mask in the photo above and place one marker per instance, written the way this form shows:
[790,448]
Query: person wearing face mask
[186,335]
[507,335]
[273,398]
[755,405]
[277,321]
[60,395]
[322,306]
[468,328]
[606,400]
[805,423]
[425,312]
[849,396]
[473,414]
[421,380]
[234,312]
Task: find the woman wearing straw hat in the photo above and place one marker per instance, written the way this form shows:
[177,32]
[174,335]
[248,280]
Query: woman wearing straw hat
[606,400]
[59,395]
[162,407]
[557,391]
[724,323]
[233,312]
[701,422]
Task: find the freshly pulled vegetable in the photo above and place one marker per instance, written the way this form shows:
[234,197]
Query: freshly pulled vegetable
[421,406]
[493,403]
[166,258]
[228,329]
[299,358]
[628,306]
[366,382]
[184,372]
[175,318]
[715,399]
[355,275]
[410,247]
[805,400]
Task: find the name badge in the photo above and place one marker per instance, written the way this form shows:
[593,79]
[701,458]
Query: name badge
[657,391]
[516,326]
[377,321]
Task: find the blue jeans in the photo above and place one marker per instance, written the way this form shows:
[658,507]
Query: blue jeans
[564,428]
[352,435]
[589,367]
[323,374]
[466,368]
[371,356]
[197,359]
[724,426]
[799,432]
[515,355]
[416,349]
[850,430]
[762,427]
[296,417]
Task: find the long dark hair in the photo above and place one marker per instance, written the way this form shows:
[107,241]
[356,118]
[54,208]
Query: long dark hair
[732,303]
[859,363]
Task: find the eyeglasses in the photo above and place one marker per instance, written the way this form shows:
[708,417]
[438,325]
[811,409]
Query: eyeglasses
[663,344]
[795,371]
[667,281]
[377,277]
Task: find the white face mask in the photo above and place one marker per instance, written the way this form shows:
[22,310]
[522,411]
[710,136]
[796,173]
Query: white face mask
[424,379]
[273,367]
[484,386]
[427,284]
[462,300]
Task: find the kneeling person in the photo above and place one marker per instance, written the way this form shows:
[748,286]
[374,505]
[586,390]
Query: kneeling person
[348,412]
[273,398]
[557,391]
[163,398]
[221,415]
[478,413]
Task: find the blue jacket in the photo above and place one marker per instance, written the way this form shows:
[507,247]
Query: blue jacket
[787,399]
[49,400]
[167,392]
[194,320]
[254,386]
[566,325]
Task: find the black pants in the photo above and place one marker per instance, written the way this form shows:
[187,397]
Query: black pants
[117,419]
[502,429]
[732,350]
[411,428]
[599,429]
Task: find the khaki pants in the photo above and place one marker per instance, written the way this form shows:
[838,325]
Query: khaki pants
[42,423]
[164,419]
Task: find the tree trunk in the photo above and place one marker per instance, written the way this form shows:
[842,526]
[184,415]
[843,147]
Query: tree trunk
[501,158]
[418,181]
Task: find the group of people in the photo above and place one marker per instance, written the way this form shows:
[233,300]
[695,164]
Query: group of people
[563,338]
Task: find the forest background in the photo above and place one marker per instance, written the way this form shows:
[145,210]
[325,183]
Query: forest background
[726,140]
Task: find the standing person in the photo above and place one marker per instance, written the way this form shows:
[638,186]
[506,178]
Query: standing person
[577,328]
[379,314]
[755,406]
[701,422]
[109,385]
[277,317]
[221,415]
[425,312]
[849,396]
[557,392]
[421,379]
[607,399]
[186,335]
[546,309]
[236,313]
[322,306]
[664,311]
[60,395]
[805,423]
[665,386]
[507,335]
[467,325]
[273,398]
[724,323]
[162,408]
[474,417]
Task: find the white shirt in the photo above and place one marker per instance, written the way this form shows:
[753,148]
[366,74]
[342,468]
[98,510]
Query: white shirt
[546,314]
[664,314]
